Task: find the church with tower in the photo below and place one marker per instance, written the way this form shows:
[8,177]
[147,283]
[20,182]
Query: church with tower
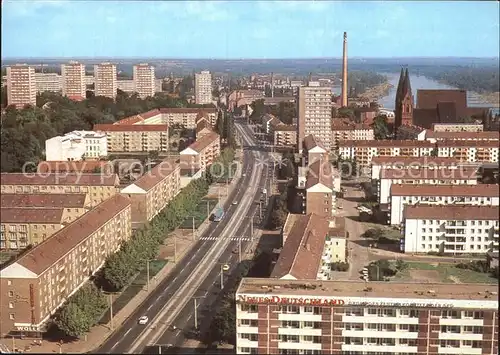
[403,109]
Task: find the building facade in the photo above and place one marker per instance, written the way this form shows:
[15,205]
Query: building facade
[40,281]
[285,135]
[144,80]
[77,145]
[203,88]
[350,132]
[74,85]
[135,138]
[457,127]
[21,86]
[98,187]
[402,195]
[51,82]
[105,80]
[451,229]
[314,114]
[152,192]
[363,151]
[355,318]
[423,176]
[202,153]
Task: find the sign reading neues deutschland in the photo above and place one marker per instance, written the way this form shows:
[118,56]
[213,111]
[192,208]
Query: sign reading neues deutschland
[303,301]
[291,300]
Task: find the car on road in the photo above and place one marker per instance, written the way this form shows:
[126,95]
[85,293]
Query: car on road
[340,207]
[243,174]
[143,320]
[235,251]
[225,267]
[235,202]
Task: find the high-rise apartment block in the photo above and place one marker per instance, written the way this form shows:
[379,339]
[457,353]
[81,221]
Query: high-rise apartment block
[203,87]
[21,87]
[105,80]
[73,80]
[144,80]
[314,114]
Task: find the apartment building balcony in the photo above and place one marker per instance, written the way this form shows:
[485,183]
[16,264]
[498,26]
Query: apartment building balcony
[460,336]
[379,334]
[379,348]
[379,320]
[299,345]
[246,343]
[460,350]
[299,331]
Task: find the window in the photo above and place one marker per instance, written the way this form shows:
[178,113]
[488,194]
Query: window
[11,316]
[11,304]
[9,282]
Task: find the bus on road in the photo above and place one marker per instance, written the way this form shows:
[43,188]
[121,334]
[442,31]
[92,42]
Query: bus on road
[218,214]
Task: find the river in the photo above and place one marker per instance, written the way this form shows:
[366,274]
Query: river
[422,82]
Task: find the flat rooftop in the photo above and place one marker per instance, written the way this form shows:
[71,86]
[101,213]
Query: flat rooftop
[320,288]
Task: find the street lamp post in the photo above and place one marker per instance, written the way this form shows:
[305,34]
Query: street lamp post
[110,300]
[147,275]
[194,230]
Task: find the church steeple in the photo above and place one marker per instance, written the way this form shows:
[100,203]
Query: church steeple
[400,85]
[403,109]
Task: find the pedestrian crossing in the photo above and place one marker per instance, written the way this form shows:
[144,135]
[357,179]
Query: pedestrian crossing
[243,239]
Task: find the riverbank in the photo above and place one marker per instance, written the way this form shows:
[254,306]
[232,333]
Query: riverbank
[378,91]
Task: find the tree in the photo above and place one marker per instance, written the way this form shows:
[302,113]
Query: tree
[380,127]
[345,112]
[434,152]
[219,125]
[73,321]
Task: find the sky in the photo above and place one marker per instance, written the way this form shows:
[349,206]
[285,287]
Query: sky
[248,29]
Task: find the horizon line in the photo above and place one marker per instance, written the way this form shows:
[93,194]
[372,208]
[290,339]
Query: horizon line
[240,58]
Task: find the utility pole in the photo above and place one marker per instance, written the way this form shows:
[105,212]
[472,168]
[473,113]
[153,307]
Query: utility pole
[175,248]
[260,210]
[221,276]
[194,231]
[13,344]
[239,250]
[251,229]
[195,314]
[208,209]
[111,311]
[147,273]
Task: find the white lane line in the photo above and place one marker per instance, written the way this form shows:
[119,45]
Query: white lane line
[150,307]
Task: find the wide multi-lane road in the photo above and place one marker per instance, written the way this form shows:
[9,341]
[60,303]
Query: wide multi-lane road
[208,292]
[170,298]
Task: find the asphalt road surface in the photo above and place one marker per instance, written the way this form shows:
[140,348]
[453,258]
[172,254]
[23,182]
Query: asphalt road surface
[208,294]
[175,292]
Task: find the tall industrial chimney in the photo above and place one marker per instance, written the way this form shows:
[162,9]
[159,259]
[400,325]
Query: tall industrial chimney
[344,72]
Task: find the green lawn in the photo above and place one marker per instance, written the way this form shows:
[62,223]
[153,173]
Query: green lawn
[446,273]
[199,214]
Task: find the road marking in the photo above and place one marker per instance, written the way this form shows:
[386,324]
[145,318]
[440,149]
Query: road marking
[151,306]
[206,265]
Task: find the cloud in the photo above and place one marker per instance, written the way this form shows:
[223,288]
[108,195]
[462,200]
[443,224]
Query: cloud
[111,19]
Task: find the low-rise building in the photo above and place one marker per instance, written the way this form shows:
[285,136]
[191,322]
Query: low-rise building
[285,135]
[82,166]
[26,226]
[202,153]
[135,138]
[35,285]
[240,98]
[457,127]
[266,122]
[203,127]
[363,151]
[402,195]
[313,150]
[342,131]
[302,254]
[451,229]
[471,151]
[355,317]
[152,192]
[320,197]
[186,117]
[99,187]
[430,162]
[423,176]
[76,145]
[434,137]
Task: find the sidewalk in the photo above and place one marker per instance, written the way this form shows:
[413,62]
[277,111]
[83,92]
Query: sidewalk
[99,333]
